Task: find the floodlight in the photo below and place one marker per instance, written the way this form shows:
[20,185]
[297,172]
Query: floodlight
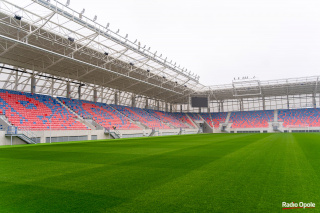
[68,3]
[18,17]
[106,53]
[81,13]
[95,18]
[131,64]
[71,39]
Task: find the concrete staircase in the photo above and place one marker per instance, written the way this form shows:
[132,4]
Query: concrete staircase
[228,117]
[275,116]
[197,126]
[139,124]
[79,118]
[168,124]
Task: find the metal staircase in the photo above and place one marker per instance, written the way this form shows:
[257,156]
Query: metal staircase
[115,134]
[154,131]
[22,133]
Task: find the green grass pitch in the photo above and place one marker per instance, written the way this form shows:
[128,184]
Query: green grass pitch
[190,173]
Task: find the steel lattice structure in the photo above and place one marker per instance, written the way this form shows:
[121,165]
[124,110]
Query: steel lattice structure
[58,46]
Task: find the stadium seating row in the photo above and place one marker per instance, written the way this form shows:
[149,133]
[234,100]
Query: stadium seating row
[41,112]
[299,117]
[37,112]
[142,116]
[251,119]
[103,114]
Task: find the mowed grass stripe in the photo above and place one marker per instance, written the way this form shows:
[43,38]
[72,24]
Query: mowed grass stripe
[82,181]
[193,173]
[196,191]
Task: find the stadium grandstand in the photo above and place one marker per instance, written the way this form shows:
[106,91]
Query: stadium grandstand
[65,77]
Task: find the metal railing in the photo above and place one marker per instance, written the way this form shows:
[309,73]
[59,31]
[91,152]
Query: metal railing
[25,131]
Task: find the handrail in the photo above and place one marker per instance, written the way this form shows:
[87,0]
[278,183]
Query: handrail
[13,130]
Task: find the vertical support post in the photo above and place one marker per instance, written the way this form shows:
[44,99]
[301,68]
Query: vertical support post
[170,107]
[199,109]
[288,104]
[147,103]
[188,105]
[116,97]
[314,103]
[263,103]
[79,92]
[133,100]
[68,89]
[101,95]
[95,95]
[166,107]
[33,84]
[241,104]
[181,108]
[221,105]
[16,82]
[208,110]
[158,105]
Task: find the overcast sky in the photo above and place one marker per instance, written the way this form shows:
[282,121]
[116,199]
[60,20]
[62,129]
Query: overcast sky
[221,39]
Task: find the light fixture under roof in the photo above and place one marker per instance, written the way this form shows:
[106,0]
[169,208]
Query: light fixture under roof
[18,17]
[71,39]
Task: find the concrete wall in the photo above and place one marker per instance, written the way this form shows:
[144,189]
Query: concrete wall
[63,133]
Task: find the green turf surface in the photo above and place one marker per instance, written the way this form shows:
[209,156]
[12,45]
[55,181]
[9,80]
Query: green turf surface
[192,173]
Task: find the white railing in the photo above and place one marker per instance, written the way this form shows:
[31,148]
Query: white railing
[12,130]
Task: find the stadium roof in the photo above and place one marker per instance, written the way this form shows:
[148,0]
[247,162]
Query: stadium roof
[48,37]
